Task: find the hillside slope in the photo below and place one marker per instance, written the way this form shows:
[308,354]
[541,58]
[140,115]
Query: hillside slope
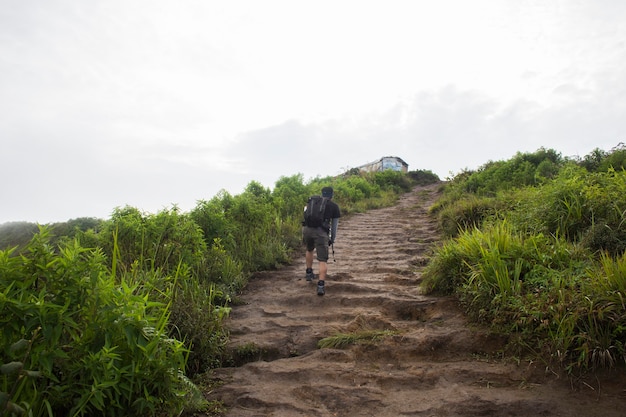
[431,364]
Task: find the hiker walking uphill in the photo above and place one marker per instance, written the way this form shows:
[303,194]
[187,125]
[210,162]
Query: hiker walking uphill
[319,231]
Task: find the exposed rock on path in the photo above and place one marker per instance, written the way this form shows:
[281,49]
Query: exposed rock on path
[430,363]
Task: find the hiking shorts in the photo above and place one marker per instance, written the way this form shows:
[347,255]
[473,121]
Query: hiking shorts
[316,238]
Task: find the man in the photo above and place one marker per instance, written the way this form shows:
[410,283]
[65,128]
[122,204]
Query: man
[317,236]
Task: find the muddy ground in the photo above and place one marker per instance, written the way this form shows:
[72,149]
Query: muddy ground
[431,363]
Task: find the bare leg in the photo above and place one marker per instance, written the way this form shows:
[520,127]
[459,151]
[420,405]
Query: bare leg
[323,269]
[309,259]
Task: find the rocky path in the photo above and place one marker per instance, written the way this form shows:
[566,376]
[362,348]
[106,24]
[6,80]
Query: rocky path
[427,362]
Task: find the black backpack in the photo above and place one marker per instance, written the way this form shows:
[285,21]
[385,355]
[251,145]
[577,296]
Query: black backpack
[314,211]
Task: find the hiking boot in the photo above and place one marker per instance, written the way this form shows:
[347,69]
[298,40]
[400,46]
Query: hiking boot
[320,288]
[310,275]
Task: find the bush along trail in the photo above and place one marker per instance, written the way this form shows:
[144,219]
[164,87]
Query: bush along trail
[375,346]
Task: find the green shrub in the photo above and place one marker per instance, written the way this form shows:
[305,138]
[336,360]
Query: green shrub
[543,260]
[289,196]
[580,206]
[497,263]
[155,241]
[524,169]
[211,217]
[467,213]
[90,343]
[534,277]
[197,313]
[395,181]
[423,177]
[600,160]
[356,192]
[600,324]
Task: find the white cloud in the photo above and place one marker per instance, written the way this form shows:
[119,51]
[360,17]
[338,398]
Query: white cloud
[153,103]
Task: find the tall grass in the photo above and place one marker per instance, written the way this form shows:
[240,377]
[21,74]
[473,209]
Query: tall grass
[547,267]
[84,340]
[589,208]
[602,322]
[466,214]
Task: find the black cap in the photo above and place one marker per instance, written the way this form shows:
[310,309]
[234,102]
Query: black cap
[327,192]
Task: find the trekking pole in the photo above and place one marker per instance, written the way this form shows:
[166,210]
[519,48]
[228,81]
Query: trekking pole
[333,247]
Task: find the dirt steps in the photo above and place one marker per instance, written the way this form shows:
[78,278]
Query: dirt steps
[433,363]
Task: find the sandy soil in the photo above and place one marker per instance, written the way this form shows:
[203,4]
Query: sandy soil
[434,363]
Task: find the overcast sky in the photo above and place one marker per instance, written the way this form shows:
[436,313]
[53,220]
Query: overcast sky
[154,103]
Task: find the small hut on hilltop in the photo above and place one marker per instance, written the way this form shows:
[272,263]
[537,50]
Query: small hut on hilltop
[385,163]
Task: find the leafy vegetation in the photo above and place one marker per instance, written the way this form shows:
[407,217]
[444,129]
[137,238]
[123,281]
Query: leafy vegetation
[118,316]
[536,249]
[78,340]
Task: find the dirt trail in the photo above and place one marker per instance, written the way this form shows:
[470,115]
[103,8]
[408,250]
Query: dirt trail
[433,365]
